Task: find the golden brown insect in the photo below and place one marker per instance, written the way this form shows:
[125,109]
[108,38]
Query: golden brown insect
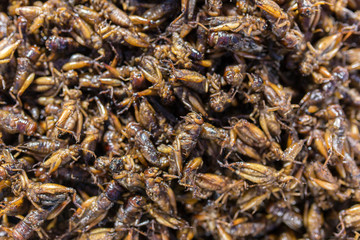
[143,142]
[158,13]
[253,198]
[94,209]
[219,99]
[248,25]
[10,165]
[94,128]
[110,11]
[44,195]
[280,22]
[8,46]
[149,67]
[187,136]
[336,130]
[189,172]
[214,7]
[50,85]
[71,116]
[227,187]
[61,157]
[14,207]
[166,219]
[188,76]
[39,14]
[320,54]
[191,100]
[24,73]
[159,192]
[179,119]
[278,99]
[235,74]
[182,51]
[115,34]
[250,134]
[258,173]
[90,15]
[80,61]
[41,147]
[349,218]
[130,180]
[228,140]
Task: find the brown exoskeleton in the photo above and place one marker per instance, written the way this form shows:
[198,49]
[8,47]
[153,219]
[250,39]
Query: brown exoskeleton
[335,133]
[13,121]
[166,219]
[248,25]
[71,116]
[228,188]
[10,164]
[112,12]
[309,13]
[25,72]
[42,147]
[142,139]
[250,134]
[100,233]
[115,34]
[94,129]
[289,216]
[94,209]
[131,213]
[59,44]
[235,42]
[349,218]
[44,195]
[29,224]
[62,157]
[324,50]
[281,24]
[313,221]
[8,46]
[159,192]
[186,139]
[182,51]
[240,227]
[258,173]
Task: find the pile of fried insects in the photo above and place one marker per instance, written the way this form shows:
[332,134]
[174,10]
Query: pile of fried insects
[179,119]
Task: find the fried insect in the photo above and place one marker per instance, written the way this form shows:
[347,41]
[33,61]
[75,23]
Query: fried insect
[71,116]
[94,209]
[111,12]
[14,121]
[258,173]
[159,192]
[31,223]
[131,213]
[179,119]
[43,196]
